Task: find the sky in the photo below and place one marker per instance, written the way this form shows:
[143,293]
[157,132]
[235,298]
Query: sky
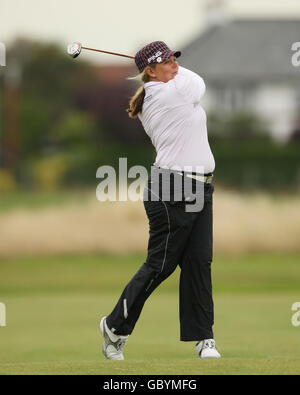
[123,26]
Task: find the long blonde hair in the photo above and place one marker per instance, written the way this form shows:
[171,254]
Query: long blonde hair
[137,100]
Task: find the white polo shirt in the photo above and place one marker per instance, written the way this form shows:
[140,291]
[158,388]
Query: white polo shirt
[176,123]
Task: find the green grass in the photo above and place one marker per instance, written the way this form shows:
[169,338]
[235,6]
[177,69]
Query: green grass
[34,200]
[54,304]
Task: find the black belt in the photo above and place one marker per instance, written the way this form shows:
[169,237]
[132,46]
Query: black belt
[199,177]
[206,178]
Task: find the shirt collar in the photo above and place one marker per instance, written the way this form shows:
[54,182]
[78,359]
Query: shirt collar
[152,83]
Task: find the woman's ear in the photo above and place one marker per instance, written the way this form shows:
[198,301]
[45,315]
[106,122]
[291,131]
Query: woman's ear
[150,71]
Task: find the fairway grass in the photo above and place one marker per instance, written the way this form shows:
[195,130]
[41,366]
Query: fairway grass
[225,366]
[54,305]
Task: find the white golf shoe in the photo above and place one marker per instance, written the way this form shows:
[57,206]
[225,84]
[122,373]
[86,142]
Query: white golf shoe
[113,344]
[207,349]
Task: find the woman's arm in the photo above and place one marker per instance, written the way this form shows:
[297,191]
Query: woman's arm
[189,84]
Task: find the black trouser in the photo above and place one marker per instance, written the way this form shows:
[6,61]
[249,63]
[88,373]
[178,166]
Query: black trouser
[177,237]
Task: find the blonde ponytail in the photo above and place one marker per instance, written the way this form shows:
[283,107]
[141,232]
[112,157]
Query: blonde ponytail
[136,103]
[137,100]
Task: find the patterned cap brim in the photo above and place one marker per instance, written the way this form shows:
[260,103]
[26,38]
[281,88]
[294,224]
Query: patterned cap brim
[167,54]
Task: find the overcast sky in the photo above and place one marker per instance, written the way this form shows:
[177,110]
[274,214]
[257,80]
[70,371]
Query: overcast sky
[122,26]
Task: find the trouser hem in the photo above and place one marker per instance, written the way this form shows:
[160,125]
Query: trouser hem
[197,338]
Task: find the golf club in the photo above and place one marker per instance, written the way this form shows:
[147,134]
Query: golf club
[75,48]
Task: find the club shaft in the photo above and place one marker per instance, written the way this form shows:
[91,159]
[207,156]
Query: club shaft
[110,53]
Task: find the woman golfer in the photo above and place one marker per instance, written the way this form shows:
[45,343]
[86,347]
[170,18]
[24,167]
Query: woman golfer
[180,231]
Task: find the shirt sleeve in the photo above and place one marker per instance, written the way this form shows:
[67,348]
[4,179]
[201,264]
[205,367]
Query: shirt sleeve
[190,85]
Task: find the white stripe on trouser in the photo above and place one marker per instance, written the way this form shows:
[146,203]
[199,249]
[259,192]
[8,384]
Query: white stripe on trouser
[167,239]
[125,308]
